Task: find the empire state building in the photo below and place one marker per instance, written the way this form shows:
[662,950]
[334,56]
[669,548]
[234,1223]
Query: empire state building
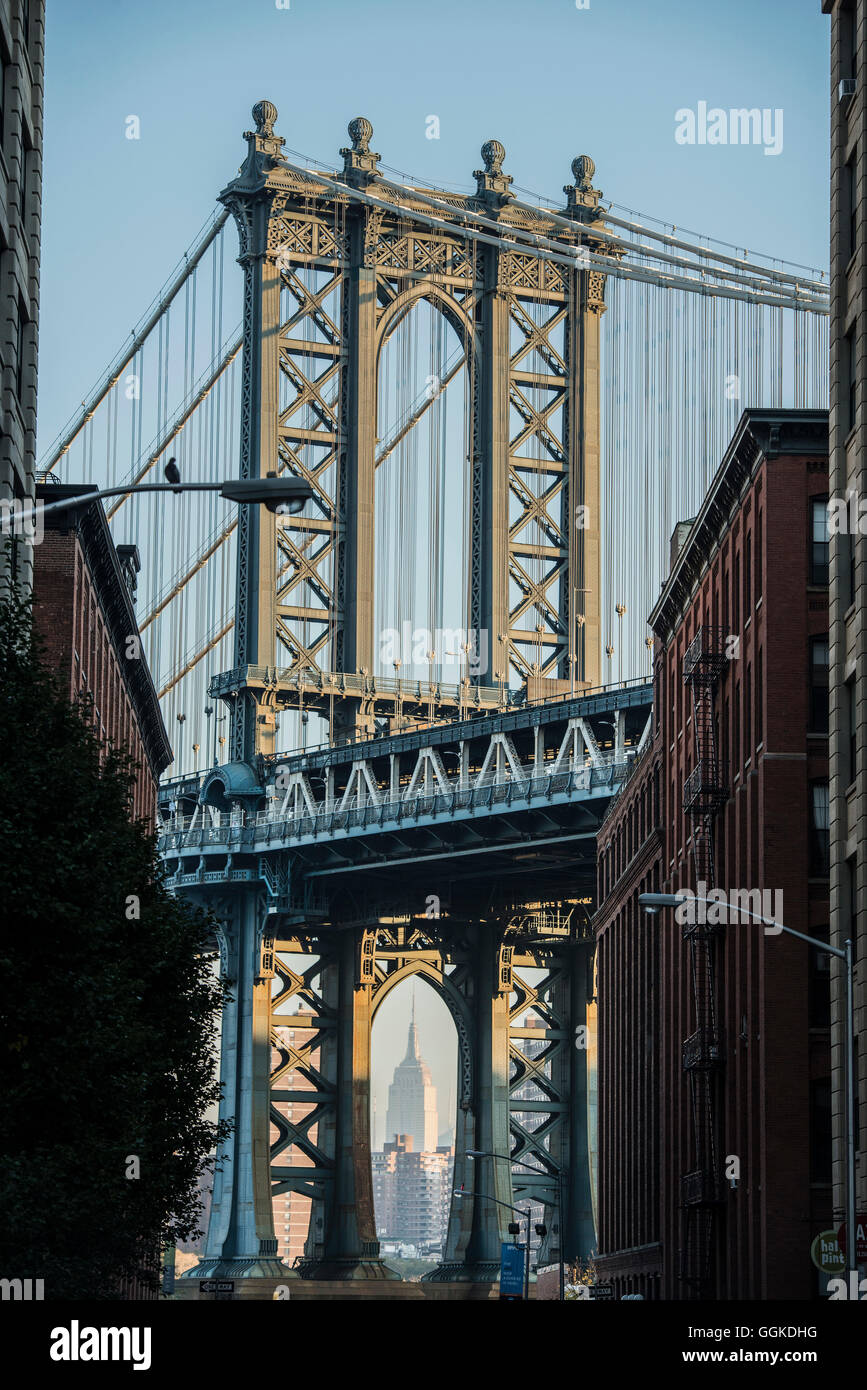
[412,1099]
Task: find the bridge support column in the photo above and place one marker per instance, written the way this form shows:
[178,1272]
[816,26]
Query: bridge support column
[478,1222]
[240,1241]
[351,1249]
[250,198]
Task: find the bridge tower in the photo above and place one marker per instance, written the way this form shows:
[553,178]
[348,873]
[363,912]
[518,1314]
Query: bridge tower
[331,267]
[332,264]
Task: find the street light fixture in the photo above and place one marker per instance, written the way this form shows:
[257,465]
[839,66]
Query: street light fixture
[520,1163]
[653,902]
[282,495]
[484,1196]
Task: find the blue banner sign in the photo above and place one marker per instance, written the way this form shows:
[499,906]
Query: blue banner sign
[511,1271]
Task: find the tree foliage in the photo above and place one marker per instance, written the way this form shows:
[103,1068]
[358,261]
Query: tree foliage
[107,1018]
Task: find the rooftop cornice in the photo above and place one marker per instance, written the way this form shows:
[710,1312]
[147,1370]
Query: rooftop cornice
[760,435]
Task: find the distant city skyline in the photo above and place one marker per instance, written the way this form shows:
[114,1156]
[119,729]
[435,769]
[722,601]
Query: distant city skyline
[437,1040]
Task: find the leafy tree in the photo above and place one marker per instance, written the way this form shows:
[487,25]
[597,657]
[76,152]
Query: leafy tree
[108,1003]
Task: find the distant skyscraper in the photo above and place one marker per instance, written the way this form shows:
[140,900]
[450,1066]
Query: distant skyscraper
[412,1099]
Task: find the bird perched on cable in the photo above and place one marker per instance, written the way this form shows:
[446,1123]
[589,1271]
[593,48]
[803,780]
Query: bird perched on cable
[172,472]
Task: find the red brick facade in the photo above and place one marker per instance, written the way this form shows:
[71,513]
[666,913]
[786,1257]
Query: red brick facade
[748,570]
[85,616]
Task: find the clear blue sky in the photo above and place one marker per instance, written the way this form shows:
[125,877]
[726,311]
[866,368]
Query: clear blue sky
[548,80]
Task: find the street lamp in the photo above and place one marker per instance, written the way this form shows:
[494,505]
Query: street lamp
[519,1163]
[209,710]
[397,663]
[459,1192]
[284,495]
[653,902]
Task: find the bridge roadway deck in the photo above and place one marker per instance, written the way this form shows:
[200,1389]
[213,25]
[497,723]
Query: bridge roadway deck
[537,778]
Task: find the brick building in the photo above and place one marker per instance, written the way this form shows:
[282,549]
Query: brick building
[83,591]
[848,569]
[714,1056]
[22,47]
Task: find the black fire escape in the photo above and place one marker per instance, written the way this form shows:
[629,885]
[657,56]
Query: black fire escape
[704,794]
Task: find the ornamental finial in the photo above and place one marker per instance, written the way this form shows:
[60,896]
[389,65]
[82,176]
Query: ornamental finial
[583,169]
[492,185]
[582,199]
[359,160]
[360,132]
[493,153]
[264,114]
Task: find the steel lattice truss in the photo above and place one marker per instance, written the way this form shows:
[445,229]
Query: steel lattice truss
[306,1088]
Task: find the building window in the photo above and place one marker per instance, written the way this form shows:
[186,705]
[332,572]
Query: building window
[22,193]
[820,830]
[819,541]
[851,214]
[736,594]
[819,685]
[820,1131]
[760,695]
[736,729]
[748,574]
[748,711]
[25,22]
[759,559]
[19,354]
[848,44]
[852,721]
[850,359]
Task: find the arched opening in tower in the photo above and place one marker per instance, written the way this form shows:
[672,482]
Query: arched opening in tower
[414,1070]
[423,540]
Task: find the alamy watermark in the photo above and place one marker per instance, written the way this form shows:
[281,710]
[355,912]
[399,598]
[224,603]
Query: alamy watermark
[22,1290]
[23,519]
[464,648]
[717,907]
[847,515]
[738,126]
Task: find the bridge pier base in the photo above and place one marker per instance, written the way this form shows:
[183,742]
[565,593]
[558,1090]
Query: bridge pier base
[351,1249]
[241,1242]
[477,1225]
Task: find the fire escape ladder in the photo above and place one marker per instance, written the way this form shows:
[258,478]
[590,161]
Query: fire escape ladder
[704,794]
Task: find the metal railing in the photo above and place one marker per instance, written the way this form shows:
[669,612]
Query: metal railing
[705,789]
[276,823]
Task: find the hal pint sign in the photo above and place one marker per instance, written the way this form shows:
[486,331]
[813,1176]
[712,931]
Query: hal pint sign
[826,1254]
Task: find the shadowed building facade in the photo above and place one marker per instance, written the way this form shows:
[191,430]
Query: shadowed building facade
[848,570]
[714,1060]
[22,50]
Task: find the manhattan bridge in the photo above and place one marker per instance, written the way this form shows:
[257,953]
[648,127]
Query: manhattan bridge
[400,714]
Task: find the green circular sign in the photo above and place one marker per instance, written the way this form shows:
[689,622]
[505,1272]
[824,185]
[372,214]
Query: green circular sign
[826,1254]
